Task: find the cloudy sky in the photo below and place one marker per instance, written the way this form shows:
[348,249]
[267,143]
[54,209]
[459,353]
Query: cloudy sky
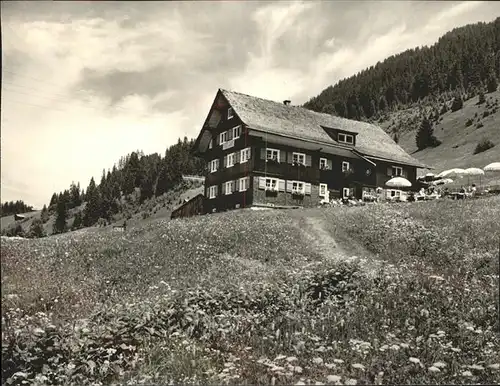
[84,83]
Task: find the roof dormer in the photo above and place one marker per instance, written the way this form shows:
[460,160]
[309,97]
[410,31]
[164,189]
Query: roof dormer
[342,137]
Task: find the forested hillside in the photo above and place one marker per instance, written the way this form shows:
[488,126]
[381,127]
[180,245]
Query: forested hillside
[124,190]
[464,60]
[11,207]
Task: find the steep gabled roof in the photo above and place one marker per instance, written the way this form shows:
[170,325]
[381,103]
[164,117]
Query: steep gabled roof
[274,117]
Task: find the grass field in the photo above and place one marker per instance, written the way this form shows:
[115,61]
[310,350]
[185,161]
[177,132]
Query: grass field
[382,294]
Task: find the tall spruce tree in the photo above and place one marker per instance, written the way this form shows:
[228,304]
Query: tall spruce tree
[60,225]
[92,210]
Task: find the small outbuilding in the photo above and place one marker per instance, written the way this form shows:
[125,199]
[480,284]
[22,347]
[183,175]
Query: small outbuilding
[192,207]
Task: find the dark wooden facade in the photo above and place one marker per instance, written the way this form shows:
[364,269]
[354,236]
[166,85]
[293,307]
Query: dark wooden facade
[363,172]
[193,207]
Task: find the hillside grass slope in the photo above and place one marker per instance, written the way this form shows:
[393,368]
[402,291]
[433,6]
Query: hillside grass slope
[259,297]
[459,132]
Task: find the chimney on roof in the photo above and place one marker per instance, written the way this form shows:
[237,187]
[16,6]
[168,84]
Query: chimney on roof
[286,102]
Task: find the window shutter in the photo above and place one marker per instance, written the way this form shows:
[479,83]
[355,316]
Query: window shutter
[308,160]
[290,157]
[208,166]
[236,185]
[281,185]
[263,153]
[225,161]
[217,162]
[223,188]
[389,171]
[307,187]
[233,186]
[262,183]
[216,190]
[249,152]
[217,139]
[289,186]
[236,157]
[329,163]
[229,135]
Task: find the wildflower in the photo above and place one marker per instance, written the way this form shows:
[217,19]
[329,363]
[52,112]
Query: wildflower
[358,366]
[291,359]
[476,367]
[434,369]
[330,365]
[466,374]
[338,361]
[404,345]
[494,366]
[351,381]
[333,378]
[439,365]
[414,360]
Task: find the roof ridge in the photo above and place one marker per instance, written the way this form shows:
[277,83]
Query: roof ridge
[300,107]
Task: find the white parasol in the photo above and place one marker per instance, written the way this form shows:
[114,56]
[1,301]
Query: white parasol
[457,173]
[474,172]
[398,182]
[493,167]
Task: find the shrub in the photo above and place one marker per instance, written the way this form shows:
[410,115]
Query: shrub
[486,113]
[457,103]
[483,145]
[468,122]
[482,98]
[479,125]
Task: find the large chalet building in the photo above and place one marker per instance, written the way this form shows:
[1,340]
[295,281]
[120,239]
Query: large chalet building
[261,152]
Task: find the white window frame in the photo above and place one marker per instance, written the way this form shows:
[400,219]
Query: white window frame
[272,184]
[244,155]
[344,167]
[213,166]
[351,142]
[230,156]
[229,188]
[230,113]
[236,131]
[323,161]
[298,156]
[300,187]
[395,171]
[344,195]
[212,191]
[273,153]
[244,182]
[323,187]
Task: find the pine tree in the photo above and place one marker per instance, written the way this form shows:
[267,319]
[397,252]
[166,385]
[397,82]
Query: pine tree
[492,84]
[53,202]
[75,197]
[92,210]
[61,216]
[44,215]
[77,221]
[425,135]
[482,98]
[146,189]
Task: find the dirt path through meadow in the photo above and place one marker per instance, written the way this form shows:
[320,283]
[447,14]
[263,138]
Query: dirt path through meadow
[315,229]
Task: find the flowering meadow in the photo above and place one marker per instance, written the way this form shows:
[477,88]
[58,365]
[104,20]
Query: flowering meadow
[247,297]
